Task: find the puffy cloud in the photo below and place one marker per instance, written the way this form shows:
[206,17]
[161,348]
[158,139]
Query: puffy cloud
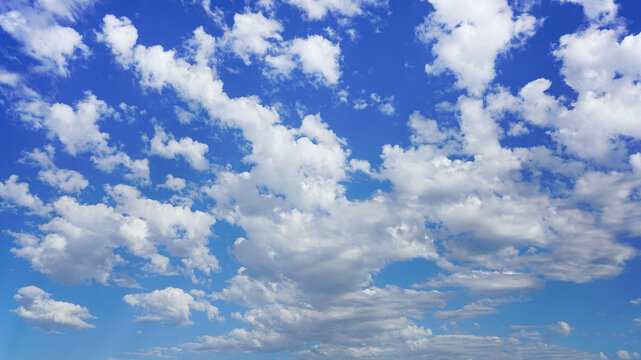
[292,207]
[78,131]
[37,307]
[43,38]
[68,181]
[468,35]
[174,183]
[170,306]
[18,193]
[67,250]
[252,34]
[317,57]
[597,10]
[9,78]
[424,131]
[625,354]
[165,145]
[317,9]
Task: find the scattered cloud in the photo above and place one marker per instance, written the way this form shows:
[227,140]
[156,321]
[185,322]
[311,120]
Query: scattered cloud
[171,306]
[39,309]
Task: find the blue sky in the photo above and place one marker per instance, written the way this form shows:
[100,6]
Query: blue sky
[337,179]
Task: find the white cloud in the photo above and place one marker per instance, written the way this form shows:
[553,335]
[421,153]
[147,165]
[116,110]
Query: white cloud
[292,207]
[9,78]
[597,10]
[317,57]
[170,306]
[424,131]
[67,250]
[68,181]
[468,35]
[18,193]
[636,301]
[624,354]
[78,131]
[37,28]
[174,183]
[317,9]
[252,34]
[37,307]
[165,145]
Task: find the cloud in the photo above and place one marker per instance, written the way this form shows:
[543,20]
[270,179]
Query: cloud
[64,180]
[624,354]
[561,328]
[165,145]
[18,193]
[317,9]
[488,221]
[170,306]
[38,28]
[479,281]
[468,35]
[315,55]
[470,311]
[37,307]
[67,251]
[252,34]
[78,131]
[9,78]
[174,183]
[597,10]
[424,131]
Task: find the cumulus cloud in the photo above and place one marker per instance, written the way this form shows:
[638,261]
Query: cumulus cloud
[315,55]
[252,34]
[625,354]
[467,36]
[174,183]
[16,192]
[165,145]
[47,314]
[79,132]
[37,25]
[67,253]
[597,10]
[171,306]
[64,180]
[317,9]
[293,210]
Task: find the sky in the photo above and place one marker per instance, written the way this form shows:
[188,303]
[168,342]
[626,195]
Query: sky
[320,179]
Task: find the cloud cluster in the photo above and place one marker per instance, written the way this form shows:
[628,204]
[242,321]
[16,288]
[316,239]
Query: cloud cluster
[67,252]
[171,306]
[39,309]
[37,25]
[459,195]
[294,212]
